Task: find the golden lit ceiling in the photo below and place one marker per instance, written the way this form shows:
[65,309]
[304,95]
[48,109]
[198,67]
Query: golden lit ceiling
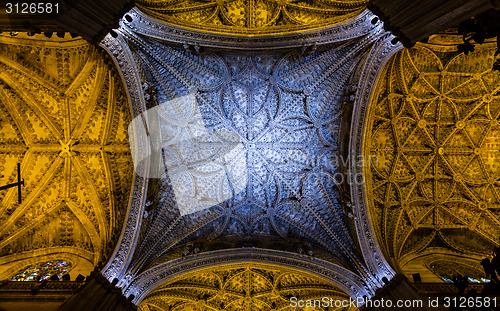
[240,287]
[252,17]
[63,115]
[434,130]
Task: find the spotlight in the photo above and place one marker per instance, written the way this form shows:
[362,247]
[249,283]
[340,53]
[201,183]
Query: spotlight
[14,33]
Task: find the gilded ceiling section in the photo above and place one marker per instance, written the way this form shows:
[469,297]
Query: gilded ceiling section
[238,287]
[63,116]
[434,131]
[252,17]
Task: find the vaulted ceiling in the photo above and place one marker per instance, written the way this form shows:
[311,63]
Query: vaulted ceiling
[284,113]
[434,133]
[431,136]
[237,287]
[285,108]
[63,115]
[252,17]
[288,112]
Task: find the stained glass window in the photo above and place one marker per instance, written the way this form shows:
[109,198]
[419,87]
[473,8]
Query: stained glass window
[471,280]
[445,270]
[43,271]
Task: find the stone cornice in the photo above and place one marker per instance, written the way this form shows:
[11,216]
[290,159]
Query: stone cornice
[346,280]
[372,253]
[145,25]
[122,58]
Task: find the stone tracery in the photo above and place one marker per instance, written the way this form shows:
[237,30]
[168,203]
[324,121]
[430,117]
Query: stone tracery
[243,286]
[285,106]
[281,109]
[252,17]
[286,109]
[63,118]
[434,131]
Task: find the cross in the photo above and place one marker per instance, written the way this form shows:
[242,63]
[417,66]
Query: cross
[18,183]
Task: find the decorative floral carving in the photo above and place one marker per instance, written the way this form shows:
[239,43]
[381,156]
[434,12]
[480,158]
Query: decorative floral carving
[275,101]
[283,109]
[252,17]
[63,117]
[195,39]
[433,126]
[347,281]
[368,76]
[244,286]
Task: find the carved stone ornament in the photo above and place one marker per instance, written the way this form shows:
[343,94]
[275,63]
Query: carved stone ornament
[145,25]
[377,58]
[63,117]
[433,127]
[240,286]
[345,280]
[286,107]
[252,17]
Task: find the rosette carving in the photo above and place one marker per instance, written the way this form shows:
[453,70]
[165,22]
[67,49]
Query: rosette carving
[253,17]
[434,129]
[63,116]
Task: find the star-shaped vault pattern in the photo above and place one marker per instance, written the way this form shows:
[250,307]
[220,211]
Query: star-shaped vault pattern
[252,17]
[286,111]
[63,118]
[246,286]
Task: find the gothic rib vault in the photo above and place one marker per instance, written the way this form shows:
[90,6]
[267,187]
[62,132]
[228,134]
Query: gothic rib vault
[288,108]
[64,117]
[252,17]
[289,137]
[433,126]
[305,106]
[239,287]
